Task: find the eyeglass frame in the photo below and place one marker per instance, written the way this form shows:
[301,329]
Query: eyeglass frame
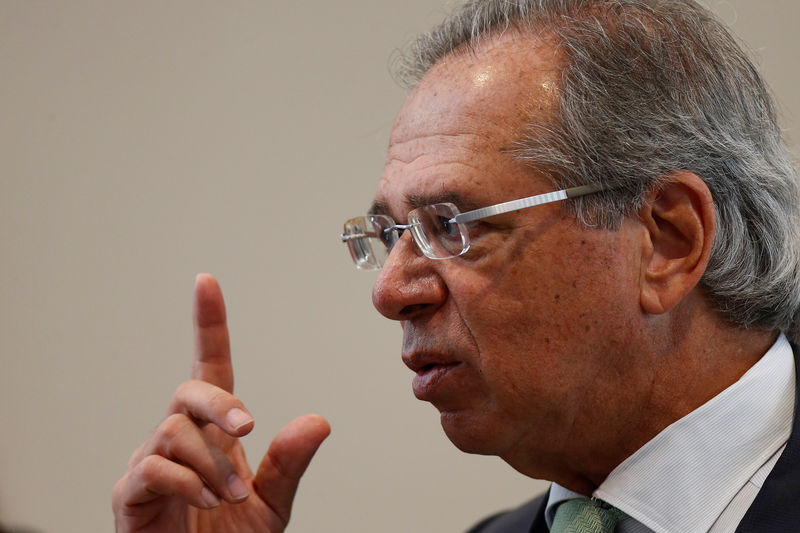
[486,212]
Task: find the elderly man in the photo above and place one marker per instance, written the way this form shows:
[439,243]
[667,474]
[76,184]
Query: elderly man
[587,229]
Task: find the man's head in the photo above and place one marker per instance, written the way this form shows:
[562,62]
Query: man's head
[565,338]
[647,88]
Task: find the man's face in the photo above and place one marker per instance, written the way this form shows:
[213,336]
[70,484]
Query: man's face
[520,342]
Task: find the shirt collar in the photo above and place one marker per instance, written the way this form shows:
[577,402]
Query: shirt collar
[686,475]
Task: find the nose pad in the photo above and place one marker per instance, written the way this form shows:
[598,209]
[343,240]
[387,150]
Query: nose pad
[408,283]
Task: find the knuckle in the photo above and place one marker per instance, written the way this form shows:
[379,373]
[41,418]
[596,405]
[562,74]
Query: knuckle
[136,456]
[117,493]
[159,474]
[151,469]
[171,428]
[183,390]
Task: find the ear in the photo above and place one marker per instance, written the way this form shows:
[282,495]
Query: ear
[680,222]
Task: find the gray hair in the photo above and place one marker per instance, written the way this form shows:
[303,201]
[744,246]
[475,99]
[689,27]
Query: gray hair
[652,87]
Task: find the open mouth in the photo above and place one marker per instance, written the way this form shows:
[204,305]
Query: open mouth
[429,377]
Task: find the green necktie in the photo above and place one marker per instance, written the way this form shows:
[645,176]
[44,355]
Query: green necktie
[582,515]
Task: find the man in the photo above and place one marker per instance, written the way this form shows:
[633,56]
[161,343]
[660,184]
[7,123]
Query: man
[626,338]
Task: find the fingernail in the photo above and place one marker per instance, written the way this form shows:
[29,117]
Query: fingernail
[237,488]
[209,498]
[238,418]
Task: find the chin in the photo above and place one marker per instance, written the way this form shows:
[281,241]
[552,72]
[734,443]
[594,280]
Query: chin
[471,434]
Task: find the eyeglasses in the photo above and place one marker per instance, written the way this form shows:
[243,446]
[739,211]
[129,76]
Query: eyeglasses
[439,230]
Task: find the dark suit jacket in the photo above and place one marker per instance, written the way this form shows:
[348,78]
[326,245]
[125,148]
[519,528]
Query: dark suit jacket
[776,508]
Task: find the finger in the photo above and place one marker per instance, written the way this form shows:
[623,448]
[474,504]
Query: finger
[212,352]
[206,403]
[156,477]
[286,460]
[180,440]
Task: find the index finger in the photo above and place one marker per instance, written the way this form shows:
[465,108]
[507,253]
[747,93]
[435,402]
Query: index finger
[212,350]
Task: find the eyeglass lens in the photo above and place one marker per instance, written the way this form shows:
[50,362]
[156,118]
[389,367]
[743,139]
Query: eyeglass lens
[369,241]
[437,237]
[370,238]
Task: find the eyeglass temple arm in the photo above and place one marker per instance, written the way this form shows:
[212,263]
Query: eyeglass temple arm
[530,201]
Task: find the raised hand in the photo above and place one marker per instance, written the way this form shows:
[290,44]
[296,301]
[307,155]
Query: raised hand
[191,475]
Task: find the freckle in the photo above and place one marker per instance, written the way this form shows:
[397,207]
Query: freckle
[574,284]
[558,297]
[583,243]
[547,340]
[587,327]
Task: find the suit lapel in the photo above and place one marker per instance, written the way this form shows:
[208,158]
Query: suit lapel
[776,509]
[539,523]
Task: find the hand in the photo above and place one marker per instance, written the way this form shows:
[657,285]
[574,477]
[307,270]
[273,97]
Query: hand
[191,475]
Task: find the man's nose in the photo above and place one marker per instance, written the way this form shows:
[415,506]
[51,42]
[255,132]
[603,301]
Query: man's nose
[408,284]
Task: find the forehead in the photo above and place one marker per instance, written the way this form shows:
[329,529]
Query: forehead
[456,130]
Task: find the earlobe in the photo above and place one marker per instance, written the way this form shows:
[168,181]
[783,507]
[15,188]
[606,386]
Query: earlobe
[680,222]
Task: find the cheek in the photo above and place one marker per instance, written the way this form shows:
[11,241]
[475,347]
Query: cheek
[538,320]
[523,302]
[510,317]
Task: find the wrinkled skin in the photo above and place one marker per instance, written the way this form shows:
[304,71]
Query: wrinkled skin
[558,347]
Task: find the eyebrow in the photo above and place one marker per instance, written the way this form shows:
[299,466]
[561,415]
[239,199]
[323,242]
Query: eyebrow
[418,200]
[378,208]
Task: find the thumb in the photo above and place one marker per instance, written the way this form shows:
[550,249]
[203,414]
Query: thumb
[286,460]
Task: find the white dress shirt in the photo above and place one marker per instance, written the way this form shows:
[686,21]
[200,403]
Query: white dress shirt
[702,473]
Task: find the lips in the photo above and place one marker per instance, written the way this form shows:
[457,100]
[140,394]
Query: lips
[432,370]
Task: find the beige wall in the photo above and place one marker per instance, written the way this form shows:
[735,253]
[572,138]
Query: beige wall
[145,141]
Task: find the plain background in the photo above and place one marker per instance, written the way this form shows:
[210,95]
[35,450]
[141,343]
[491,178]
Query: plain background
[143,142]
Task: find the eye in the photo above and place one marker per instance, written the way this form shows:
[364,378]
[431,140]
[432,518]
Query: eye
[448,229]
[389,236]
